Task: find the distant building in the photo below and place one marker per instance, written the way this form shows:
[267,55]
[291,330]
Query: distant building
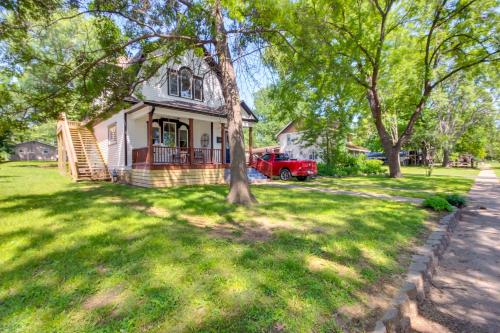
[290,140]
[33,151]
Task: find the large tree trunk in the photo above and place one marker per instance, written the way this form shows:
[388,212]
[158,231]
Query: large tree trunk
[239,189]
[446,157]
[392,154]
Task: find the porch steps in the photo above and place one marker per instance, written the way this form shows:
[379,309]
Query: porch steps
[254,176]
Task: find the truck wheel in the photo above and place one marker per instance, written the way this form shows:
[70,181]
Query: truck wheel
[285,174]
[302,178]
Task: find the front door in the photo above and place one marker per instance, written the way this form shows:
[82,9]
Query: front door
[228,154]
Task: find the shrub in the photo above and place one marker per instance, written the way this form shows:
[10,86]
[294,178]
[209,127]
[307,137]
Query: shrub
[456,200]
[437,203]
[372,167]
[349,165]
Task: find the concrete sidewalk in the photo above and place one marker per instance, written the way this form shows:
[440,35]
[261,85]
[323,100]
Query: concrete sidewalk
[465,295]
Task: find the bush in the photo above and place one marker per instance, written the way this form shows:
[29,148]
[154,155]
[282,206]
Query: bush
[456,200]
[349,165]
[437,203]
[372,167]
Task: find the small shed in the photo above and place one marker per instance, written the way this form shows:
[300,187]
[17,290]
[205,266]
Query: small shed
[33,151]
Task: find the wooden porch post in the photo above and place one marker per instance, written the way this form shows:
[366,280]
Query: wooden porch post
[190,141]
[223,143]
[149,158]
[211,142]
[250,144]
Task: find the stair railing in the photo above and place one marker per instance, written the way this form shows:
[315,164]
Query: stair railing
[68,142]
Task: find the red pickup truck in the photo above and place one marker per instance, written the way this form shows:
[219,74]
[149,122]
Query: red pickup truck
[274,164]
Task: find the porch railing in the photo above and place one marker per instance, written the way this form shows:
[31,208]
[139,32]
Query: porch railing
[178,156]
[139,155]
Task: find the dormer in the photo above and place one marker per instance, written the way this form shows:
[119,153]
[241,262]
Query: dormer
[186,79]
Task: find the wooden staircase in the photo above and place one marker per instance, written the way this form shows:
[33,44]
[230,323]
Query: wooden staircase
[78,149]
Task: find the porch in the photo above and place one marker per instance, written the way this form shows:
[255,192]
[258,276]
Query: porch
[161,137]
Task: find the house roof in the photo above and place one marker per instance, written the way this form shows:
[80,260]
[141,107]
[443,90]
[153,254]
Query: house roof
[353,147]
[287,126]
[265,149]
[35,141]
[194,108]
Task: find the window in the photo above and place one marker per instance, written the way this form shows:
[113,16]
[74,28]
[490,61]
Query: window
[156,133]
[21,151]
[185,83]
[183,137]
[173,85]
[182,83]
[281,157]
[198,88]
[112,136]
[290,154]
[266,157]
[288,139]
[313,155]
[45,151]
[169,135]
[205,140]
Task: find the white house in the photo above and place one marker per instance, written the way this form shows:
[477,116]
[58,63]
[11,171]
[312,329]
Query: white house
[291,143]
[175,133]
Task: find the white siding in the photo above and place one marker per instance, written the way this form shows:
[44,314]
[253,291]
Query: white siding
[295,148]
[113,154]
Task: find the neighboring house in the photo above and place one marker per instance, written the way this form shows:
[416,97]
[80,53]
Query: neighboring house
[176,133]
[33,151]
[290,142]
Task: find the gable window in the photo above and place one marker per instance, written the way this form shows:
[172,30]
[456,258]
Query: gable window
[185,82]
[289,139]
[112,135]
[169,135]
[198,88]
[173,85]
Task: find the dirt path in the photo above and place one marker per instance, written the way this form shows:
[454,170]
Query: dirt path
[345,192]
[465,296]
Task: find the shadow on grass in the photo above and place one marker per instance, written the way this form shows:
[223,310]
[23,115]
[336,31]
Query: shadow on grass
[176,275]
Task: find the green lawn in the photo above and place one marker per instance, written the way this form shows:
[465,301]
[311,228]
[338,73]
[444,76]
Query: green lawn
[495,165]
[100,257]
[414,182]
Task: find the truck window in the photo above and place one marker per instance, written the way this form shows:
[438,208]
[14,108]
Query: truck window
[266,157]
[281,157]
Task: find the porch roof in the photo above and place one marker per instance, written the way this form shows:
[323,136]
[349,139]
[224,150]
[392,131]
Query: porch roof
[194,108]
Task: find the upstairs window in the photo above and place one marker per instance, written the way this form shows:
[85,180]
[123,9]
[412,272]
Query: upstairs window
[173,86]
[185,80]
[184,84]
[198,88]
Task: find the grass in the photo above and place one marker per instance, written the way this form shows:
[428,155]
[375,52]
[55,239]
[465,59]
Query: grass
[414,182]
[100,257]
[495,165]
